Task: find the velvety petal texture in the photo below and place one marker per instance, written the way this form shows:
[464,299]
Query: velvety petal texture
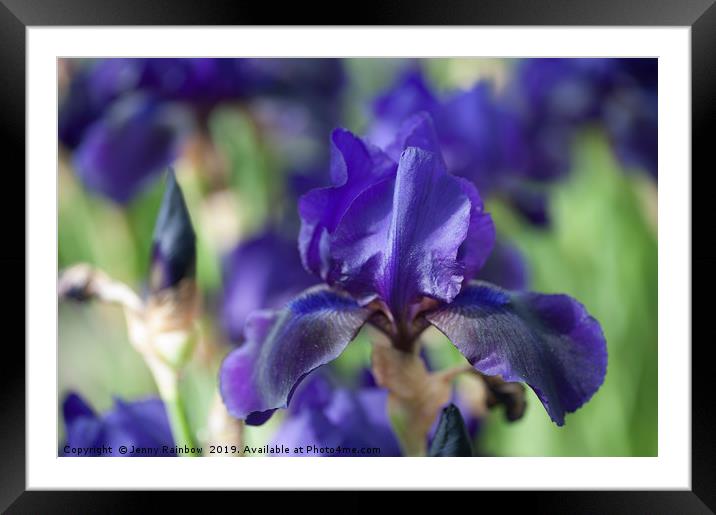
[283,346]
[402,235]
[135,424]
[549,342]
[355,166]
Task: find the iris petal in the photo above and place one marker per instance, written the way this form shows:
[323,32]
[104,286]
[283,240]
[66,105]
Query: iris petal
[131,144]
[355,166]
[283,346]
[549,342]
[400,238]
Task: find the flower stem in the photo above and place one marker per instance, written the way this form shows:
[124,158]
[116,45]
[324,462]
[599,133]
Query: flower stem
[167,380]
[180,425]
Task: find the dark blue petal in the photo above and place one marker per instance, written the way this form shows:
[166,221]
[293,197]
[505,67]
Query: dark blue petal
[283,346]
[549,342]
[75,407]
[174,241]
[451,437]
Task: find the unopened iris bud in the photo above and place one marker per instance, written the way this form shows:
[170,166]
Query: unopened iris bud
[173,300]
[451,437]
[174,241]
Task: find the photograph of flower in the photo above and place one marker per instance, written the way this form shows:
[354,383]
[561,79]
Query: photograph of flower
[366,257]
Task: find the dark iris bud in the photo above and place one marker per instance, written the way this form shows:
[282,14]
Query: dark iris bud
[451,437]
[174,241]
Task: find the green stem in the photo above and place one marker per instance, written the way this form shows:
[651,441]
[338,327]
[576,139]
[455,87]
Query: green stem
[167,380]
[180,426]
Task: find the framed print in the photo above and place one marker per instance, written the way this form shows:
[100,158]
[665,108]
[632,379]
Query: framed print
[438,249]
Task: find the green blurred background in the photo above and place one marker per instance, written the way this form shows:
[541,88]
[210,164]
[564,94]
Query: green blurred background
[601,249]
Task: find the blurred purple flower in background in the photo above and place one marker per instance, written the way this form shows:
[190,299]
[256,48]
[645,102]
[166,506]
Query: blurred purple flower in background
[325,415]
[136,424]
[506,267]
[516,142]
[556,96]
[397,243]
[264,272]
[122,142]
[133,142]
[482,139]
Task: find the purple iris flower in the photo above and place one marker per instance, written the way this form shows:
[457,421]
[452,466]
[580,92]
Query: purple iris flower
[136,424]
[409,95]
[90,93]
[631,119]
[129,145]
[555,96]
[126,119]
[324,416]
[397,242]
[482,138]
[264,272]
[479,139]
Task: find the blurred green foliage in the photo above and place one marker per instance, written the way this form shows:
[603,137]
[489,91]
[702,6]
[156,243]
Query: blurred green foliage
[601,249]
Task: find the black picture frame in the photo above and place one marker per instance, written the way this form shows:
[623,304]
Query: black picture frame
[17,15]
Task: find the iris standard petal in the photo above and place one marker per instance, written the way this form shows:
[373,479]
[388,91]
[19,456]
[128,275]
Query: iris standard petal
[283,346]
[400,239]
[549,342]
[355,166]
